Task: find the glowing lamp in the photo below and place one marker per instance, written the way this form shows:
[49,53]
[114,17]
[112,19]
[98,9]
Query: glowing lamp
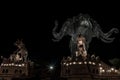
[51,67]
[101,68]
[23,64]
[67,64]
[93,63]
[116,70]
[79,62]
[70,63]
[64,63]
[112,69]
[99,64]
[74,62]
[85,62]
[89,62]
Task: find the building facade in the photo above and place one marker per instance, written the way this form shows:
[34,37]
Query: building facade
[82,66]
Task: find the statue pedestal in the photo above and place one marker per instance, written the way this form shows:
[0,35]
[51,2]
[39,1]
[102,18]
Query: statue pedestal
[89,69]
[76,70]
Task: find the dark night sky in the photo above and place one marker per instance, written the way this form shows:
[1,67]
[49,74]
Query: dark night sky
[34,24]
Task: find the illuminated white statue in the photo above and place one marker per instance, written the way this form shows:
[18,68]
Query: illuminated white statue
[20,54]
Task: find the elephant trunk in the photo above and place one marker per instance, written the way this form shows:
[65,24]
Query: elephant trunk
[105,37]
[58,35]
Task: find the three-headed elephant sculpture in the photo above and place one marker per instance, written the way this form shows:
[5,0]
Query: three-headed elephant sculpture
[83,25]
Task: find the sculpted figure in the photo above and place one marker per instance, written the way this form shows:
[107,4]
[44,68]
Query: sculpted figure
[83,25]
